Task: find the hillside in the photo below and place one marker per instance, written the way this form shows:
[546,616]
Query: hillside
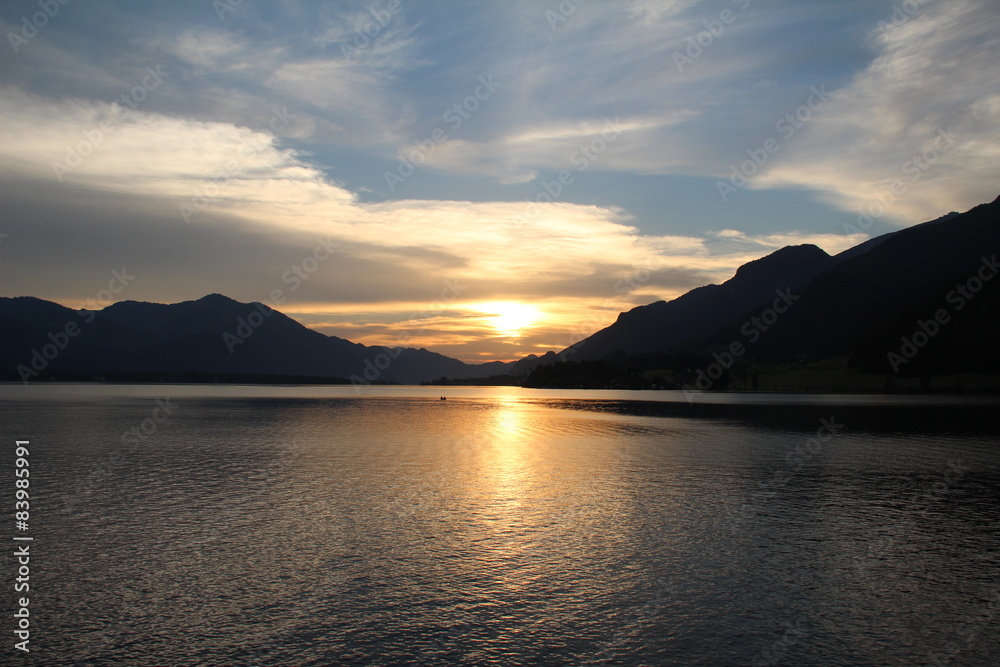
[212,335]
[921,302]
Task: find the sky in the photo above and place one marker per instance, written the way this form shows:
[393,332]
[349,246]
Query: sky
[486,179]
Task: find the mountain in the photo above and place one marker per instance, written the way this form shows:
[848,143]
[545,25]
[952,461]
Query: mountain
[704,310]
[870,244]
[922,300]
[212,335]
[524,366]
[866,303]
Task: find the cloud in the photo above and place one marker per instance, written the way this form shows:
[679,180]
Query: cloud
[608,144]
[259,209]
[338,87]
[566,81]
[218,50]
[545,113]
[916,133]
[259,112]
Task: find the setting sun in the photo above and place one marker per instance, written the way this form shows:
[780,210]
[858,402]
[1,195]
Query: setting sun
[511,318]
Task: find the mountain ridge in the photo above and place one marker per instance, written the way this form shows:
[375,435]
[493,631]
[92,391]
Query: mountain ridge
[213,334]
[859,303]
[919,302]
[701,311]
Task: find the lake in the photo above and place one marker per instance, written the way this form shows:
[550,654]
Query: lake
[249,525]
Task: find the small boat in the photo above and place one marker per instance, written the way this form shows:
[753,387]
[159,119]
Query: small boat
[444,398]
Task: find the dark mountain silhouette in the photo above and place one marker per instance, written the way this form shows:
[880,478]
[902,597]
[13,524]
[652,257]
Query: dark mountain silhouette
[702,311]
[862,303]
[932,287]
[213,335]
[870,244]
[926,294]
[529,363]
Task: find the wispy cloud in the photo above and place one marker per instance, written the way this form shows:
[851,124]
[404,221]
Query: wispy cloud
[881,138]
[280,122]
[569,253]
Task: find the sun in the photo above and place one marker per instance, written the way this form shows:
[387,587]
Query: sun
[510,318]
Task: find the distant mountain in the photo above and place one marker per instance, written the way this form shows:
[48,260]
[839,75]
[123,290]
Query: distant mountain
[523,366]
[702,311]
[213,335]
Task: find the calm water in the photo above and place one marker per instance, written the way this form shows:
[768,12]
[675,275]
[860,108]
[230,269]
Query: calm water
[317,526]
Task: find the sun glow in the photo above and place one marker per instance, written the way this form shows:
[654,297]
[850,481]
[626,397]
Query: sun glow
[510,318]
